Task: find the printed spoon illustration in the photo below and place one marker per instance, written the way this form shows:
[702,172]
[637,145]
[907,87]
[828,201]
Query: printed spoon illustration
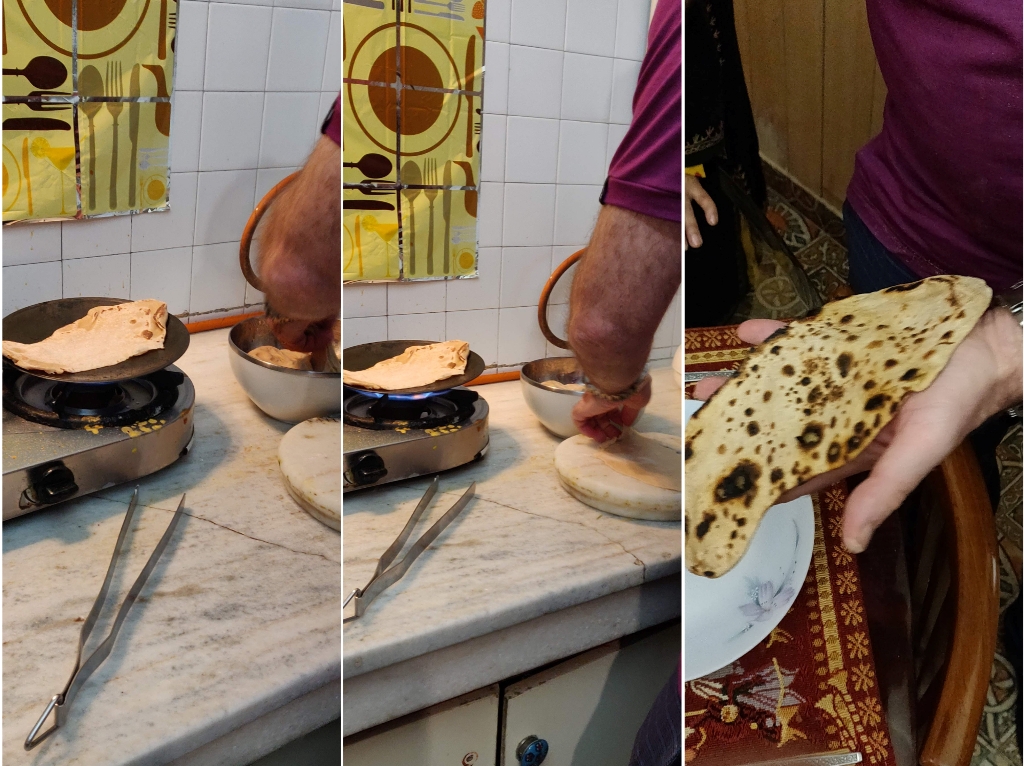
[90,83]
[372,165]
[43,72]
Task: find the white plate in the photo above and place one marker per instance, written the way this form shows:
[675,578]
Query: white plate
[729,616]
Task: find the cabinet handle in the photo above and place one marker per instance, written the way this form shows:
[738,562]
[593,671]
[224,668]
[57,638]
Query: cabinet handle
[532,751]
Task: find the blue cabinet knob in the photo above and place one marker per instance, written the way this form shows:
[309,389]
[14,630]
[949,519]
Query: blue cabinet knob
[532,751]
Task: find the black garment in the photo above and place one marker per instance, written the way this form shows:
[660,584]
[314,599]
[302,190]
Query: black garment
[719,119]
[721,136]
[715,280]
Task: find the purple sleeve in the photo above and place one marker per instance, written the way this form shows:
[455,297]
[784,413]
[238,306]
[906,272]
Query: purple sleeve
[332,125]
[646,172]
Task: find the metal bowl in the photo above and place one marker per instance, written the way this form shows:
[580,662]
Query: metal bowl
[284,394]
[553,407]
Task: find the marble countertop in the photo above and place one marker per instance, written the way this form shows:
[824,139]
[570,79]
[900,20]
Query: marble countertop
[524,548]
[239,621]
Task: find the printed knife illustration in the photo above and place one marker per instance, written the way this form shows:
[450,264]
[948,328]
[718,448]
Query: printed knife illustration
[133,132]
[446,213]
[470,62]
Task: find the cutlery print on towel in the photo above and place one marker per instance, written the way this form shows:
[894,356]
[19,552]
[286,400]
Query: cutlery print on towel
[124,142]
[92,109]
[424,156]
[438,235]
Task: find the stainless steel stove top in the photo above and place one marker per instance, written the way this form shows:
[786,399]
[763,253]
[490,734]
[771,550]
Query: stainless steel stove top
[380,454]
[44,465]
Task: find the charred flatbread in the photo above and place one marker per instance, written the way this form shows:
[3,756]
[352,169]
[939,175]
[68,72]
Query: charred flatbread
[810,399]
[414,367]
[106,335]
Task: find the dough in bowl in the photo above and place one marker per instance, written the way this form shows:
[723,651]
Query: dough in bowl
[583,468]
[281,357]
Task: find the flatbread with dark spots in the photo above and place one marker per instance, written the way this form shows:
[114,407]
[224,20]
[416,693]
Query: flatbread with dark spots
[810,399]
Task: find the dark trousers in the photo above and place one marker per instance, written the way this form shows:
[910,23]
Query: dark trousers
[873,267]
[660,739]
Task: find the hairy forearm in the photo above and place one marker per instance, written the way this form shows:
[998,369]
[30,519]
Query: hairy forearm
[622,289]
[300,241]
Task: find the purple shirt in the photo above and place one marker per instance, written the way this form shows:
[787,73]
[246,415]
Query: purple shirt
[941,185]
[332,125]
[646,172]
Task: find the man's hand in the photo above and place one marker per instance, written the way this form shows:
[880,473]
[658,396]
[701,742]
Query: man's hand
[695,193]
[982,378]
[602,420]
[301,335]
[300,251]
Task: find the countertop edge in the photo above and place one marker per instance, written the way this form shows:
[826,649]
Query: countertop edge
[387,693]
[270,731]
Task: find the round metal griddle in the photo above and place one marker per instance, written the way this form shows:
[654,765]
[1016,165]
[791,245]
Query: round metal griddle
[35,323]
[368,354]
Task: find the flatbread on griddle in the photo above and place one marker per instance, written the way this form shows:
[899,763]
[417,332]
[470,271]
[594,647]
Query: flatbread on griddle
[106,335]
[416,366]
[810,399]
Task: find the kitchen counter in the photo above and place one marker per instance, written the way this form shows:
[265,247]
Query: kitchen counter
[525,576]
[232,649]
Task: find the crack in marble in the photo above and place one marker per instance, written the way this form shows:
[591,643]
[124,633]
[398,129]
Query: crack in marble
[580,524]
[250,537]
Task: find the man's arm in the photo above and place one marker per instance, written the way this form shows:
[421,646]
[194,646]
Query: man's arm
[622,289]
[300,241]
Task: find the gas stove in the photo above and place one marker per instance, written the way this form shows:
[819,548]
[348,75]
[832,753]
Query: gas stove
[388,438]
[62,440]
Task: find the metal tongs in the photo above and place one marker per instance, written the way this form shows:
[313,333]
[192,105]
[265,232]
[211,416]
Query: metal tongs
[384,577]
[693,377]
[61,703]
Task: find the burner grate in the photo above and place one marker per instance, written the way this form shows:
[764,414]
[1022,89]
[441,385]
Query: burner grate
[381,413]
[77,405]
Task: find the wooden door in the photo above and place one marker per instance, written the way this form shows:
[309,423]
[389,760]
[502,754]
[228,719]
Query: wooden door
[461,732]
[814,85]
[589,708]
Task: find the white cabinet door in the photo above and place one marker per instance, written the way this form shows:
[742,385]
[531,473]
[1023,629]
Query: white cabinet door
[461,732]
[590,708]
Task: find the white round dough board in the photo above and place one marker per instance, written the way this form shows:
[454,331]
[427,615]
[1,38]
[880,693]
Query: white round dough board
[309,455]
[587,478]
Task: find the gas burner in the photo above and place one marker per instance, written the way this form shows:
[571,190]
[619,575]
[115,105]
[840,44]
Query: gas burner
[391,412]
[77,405]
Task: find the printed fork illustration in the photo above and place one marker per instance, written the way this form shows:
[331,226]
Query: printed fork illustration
[113,87]
[454,7]
[430,179]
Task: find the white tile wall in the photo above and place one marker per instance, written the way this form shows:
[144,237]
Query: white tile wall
[254,80]
[558,93]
